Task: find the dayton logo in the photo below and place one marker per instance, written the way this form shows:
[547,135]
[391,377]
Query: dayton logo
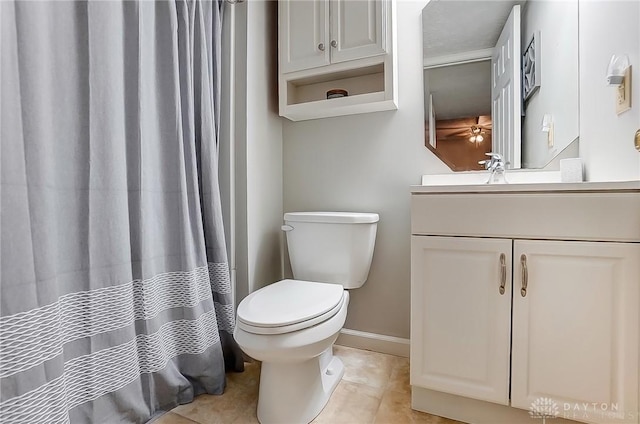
[544,408]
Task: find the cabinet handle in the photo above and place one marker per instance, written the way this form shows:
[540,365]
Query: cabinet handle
[334,43]
[321,47]
[525,275]
[503,272]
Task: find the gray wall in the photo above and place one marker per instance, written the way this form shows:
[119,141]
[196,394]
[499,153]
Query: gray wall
[367,163]
[258,148]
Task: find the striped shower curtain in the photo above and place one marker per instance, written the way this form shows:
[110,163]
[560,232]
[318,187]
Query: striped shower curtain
[116,302]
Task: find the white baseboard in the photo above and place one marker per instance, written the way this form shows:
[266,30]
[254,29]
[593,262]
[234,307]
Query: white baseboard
[375,342]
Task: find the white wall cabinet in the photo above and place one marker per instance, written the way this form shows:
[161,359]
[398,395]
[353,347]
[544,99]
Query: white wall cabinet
[319,32]
[358,29]
[336,44]
[303,34]
[566,329]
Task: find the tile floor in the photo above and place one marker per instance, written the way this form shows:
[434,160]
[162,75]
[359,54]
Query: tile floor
[374,389]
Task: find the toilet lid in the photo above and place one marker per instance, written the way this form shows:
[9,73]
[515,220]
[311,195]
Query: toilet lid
[289,302]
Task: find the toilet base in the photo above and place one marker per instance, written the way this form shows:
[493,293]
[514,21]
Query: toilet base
[297,392]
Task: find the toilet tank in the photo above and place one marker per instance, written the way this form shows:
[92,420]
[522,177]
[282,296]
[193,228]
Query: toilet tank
[331,247]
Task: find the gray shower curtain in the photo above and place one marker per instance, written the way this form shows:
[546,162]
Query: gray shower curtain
[115,293]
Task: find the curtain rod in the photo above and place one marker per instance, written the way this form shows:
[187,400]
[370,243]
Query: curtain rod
[234,1]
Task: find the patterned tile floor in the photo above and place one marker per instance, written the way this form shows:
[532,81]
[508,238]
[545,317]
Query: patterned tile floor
[375,389]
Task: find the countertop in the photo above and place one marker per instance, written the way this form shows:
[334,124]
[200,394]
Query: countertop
[617,186]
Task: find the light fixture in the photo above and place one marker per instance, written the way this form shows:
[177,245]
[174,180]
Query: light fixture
[617,68]
[476,135]
[619,75]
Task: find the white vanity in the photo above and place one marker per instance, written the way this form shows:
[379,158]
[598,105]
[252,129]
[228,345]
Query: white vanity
[525,302]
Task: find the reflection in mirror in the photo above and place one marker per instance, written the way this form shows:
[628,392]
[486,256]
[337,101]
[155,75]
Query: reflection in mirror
[528,112]
[460,106]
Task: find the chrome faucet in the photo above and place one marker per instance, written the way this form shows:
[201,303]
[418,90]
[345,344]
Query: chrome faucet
[496,167]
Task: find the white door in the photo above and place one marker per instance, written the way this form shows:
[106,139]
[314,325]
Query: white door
[303,31]
[460,316]
[575,330]
[357,29]
[506,96]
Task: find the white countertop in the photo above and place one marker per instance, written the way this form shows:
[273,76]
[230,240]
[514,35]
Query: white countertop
[633,186]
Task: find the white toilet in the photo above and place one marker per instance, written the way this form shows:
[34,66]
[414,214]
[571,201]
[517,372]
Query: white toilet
[291,325]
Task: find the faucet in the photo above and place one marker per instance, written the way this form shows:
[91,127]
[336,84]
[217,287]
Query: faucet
[496,166]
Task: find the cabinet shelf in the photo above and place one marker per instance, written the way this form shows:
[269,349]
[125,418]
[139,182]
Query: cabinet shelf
[355,81]
[305,97]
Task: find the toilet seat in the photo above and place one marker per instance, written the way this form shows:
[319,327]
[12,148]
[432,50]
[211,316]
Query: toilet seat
[289,305]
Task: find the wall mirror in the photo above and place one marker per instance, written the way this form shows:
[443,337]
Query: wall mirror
[500,76]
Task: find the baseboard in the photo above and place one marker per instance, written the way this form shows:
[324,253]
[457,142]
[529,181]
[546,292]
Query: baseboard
[374,342]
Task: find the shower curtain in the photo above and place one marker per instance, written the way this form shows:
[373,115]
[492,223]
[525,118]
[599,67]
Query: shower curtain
[115,295]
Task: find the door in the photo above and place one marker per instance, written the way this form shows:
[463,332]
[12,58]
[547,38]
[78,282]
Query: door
[575,329]
[357,29]
[304,34]
[461,316]
[506,109]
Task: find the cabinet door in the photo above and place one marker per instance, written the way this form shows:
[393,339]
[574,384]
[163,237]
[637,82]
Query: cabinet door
[460,320]
[357,28]
[303,33]
[575,332]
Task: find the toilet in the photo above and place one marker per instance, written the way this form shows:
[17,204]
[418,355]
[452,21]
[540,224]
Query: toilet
[291,325]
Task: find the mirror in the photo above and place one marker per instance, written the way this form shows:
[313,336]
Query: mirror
[500,76]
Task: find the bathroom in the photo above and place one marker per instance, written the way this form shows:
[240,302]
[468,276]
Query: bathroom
[367,163]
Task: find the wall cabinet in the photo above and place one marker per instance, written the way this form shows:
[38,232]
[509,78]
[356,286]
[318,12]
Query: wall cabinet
[303,34]
[336,44]
[320,32]
[518,321]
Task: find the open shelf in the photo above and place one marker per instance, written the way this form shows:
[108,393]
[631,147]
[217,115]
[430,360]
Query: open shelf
[355,82]
[370,84]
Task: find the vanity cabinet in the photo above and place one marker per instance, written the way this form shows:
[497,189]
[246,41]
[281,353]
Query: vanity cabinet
[461,316]
[575,326]
[518,312]
[336,44]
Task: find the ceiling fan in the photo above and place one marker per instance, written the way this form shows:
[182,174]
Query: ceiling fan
[464,128]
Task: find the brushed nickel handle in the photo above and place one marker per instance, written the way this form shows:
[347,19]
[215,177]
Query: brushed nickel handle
[321,47]
[334,43]
[525,275]
[503,272]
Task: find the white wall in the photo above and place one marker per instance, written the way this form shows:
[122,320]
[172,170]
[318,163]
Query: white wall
[557,22]
[258,148]
[606,139]
[367,163]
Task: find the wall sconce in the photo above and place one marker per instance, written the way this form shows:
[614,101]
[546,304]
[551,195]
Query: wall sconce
[617,68]
[547,126]
[619,74]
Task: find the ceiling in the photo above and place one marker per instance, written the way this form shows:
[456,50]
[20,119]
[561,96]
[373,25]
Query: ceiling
[455,26]
[460,90]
